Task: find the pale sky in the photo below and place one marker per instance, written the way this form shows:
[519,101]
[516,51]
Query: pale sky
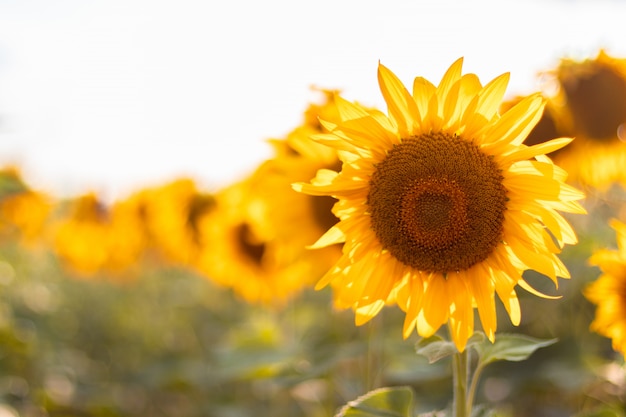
[113,95]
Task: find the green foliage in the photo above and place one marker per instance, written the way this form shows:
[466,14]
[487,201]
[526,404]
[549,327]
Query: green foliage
[172,343]
[436,347]
[383,402]
[509,347]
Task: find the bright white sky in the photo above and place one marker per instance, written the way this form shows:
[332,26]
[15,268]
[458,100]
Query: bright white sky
[113,95]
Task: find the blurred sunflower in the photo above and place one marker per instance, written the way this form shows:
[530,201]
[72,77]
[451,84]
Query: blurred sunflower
[94,238]
[295,220]
[592,95]
[23,211]
[236,252]
[170,215]
[608,292]
[441,205]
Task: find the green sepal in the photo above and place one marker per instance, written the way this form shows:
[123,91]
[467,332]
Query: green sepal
[382,402]
[435,347]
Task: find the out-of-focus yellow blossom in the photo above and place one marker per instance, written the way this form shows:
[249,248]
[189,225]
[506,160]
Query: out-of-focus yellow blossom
[25,213]
[94,238]
[592,97]
[608,292]
[236,253]
[441,205]
[170,216]
[295,220]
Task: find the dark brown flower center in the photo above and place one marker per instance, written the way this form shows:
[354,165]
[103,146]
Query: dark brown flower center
[598,101]
[247,244]
[437,203]
[322,211]
[322,206]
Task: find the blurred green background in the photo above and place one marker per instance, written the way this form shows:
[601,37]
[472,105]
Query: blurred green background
[172,343]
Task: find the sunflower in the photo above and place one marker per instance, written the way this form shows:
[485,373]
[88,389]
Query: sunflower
[295,220]
[237,253]
[441,205]
[24,211]
[95,238]
[608,292]
[592,95]
[169,216]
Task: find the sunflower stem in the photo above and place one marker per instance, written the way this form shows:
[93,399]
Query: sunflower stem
[460,366]
[473,385]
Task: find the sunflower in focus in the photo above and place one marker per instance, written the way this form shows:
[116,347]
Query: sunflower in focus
[592,96]
[554,123]
[608,292]
[441,205]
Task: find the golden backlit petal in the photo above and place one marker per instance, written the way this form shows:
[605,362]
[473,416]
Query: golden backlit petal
[559,226]
[332,236]
[449,79]
[381,281]
[482,288]
[414,307]
[367,133]
[329,276]
[348,110]
[533,187]
[462,315]
[451,111]
[363,314]
[382,119]
[506,292]
[336,188]
[526,152]
[437,301]
[333,141]
[363,247]
[470,86]
[424,328]
[490,98]
[566,206]
[514,125]
[423,90]
[571,194]
[531,290]
[434,121]
[401,106]
[348,285]
[534,260]
[458,98]
[530,232]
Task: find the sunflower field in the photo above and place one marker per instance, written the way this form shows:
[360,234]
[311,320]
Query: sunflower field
[460,252]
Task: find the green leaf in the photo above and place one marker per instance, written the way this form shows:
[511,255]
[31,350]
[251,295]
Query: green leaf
[382,402]
[510,347]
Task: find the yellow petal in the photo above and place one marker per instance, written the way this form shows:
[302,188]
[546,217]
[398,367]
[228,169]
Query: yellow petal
[401,106]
